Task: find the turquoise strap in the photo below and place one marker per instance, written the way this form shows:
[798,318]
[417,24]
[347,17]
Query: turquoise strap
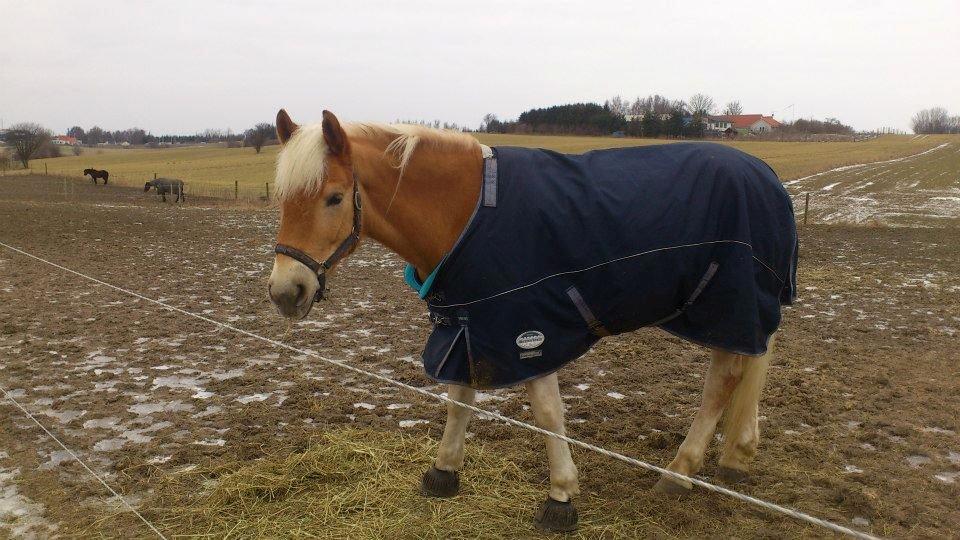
[422,289]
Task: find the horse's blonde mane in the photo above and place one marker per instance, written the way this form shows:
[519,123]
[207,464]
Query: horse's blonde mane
[301,164]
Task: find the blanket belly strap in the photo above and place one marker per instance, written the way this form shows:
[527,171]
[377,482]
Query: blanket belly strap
[592,322]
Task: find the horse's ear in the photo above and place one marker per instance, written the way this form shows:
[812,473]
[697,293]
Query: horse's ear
[285,126]
[333,134]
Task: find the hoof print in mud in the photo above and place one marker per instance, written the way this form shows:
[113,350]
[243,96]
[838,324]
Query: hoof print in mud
[668,486]
[556,516]
[437,483]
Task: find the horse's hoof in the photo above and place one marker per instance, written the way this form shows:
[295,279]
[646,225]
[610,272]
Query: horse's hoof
[669,486]
[733,476]
[437,483]
[556,516]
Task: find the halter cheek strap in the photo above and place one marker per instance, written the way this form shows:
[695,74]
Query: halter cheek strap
[344,249]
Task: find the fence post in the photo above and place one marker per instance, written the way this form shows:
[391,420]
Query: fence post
[154,176]
[236,190]
[45,173]
[267,190]
[806,208]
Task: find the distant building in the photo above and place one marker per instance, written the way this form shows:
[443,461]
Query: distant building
[742,123]
[65,140]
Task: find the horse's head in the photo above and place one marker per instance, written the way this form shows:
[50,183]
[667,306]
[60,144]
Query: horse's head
[319,219]
[87,171]
[147,186]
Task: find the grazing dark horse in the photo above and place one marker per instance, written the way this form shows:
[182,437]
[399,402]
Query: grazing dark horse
[94,174]
[166,185]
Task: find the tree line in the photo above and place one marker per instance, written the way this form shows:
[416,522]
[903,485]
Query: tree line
[28,140]
[935,120]
[651,116]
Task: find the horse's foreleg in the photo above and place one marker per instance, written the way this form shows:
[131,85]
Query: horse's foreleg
[723,376]
[441,480]
[558,512]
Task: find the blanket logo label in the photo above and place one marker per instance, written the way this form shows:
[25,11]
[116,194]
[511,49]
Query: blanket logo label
[531,339]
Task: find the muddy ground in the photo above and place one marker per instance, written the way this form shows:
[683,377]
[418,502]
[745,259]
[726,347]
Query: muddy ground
[859,418]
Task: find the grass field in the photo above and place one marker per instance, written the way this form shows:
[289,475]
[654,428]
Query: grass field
[212,170]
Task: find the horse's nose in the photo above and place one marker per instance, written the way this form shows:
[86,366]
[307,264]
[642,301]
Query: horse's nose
[289,296]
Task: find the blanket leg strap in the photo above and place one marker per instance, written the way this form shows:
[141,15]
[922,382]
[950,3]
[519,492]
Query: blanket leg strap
[707,276]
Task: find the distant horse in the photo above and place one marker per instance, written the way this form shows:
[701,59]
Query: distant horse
[166,185]
[94,174]
[527,257]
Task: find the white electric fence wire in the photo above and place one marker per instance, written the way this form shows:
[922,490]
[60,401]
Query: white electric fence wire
[82,464]
[796,514]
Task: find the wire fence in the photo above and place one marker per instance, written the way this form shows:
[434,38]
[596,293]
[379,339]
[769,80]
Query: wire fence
[769,506]
[245,192]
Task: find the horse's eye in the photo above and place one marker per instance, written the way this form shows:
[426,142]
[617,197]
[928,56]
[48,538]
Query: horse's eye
[336,198]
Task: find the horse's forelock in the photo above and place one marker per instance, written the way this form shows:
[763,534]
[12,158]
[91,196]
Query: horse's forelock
[301,164]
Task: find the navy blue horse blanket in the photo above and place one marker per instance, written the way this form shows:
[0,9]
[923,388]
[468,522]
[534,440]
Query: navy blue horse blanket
[697,239]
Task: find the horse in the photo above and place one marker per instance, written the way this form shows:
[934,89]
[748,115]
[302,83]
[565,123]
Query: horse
[94,174]
[422,192]
[166,185]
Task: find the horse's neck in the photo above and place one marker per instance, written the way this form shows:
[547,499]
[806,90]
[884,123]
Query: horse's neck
[421,218]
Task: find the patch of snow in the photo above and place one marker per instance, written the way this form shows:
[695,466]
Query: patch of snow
[253,397]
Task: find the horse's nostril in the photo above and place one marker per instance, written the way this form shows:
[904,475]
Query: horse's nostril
[300,294]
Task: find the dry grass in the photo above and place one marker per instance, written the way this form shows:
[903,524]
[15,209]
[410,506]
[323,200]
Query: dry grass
[789,159]
[216,168]
[360,483]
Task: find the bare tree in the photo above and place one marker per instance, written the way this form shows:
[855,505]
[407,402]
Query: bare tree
[733,108]
[4,162]
[26,139]
[617,105]
[933,120]
[258,135]
[491,124]
[701,104]
[96,135]
[77,150]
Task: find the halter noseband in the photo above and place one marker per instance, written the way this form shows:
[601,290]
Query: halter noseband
[320,269]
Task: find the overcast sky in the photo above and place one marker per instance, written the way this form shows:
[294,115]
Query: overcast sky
[180,67]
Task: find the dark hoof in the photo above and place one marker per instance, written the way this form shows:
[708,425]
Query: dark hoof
[556,516]
[437,483]
[669,486]
[733,476]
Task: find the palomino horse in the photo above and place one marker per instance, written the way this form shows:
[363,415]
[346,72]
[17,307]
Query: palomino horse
[419,190]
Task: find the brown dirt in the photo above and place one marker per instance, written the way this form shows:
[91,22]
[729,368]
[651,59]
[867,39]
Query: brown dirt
[859,414]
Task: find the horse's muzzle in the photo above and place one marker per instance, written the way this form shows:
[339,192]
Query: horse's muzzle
[292,289]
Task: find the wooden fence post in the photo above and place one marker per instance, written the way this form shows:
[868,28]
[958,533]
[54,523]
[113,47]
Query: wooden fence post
[45,173]
[806,209]
[267,190]
[154,176]
[236,190]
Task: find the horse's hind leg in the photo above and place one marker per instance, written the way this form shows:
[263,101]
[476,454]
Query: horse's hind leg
[441,480]
[723,376]
[741,429]
[557,513]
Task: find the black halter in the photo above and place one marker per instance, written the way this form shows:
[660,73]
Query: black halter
[344,249]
